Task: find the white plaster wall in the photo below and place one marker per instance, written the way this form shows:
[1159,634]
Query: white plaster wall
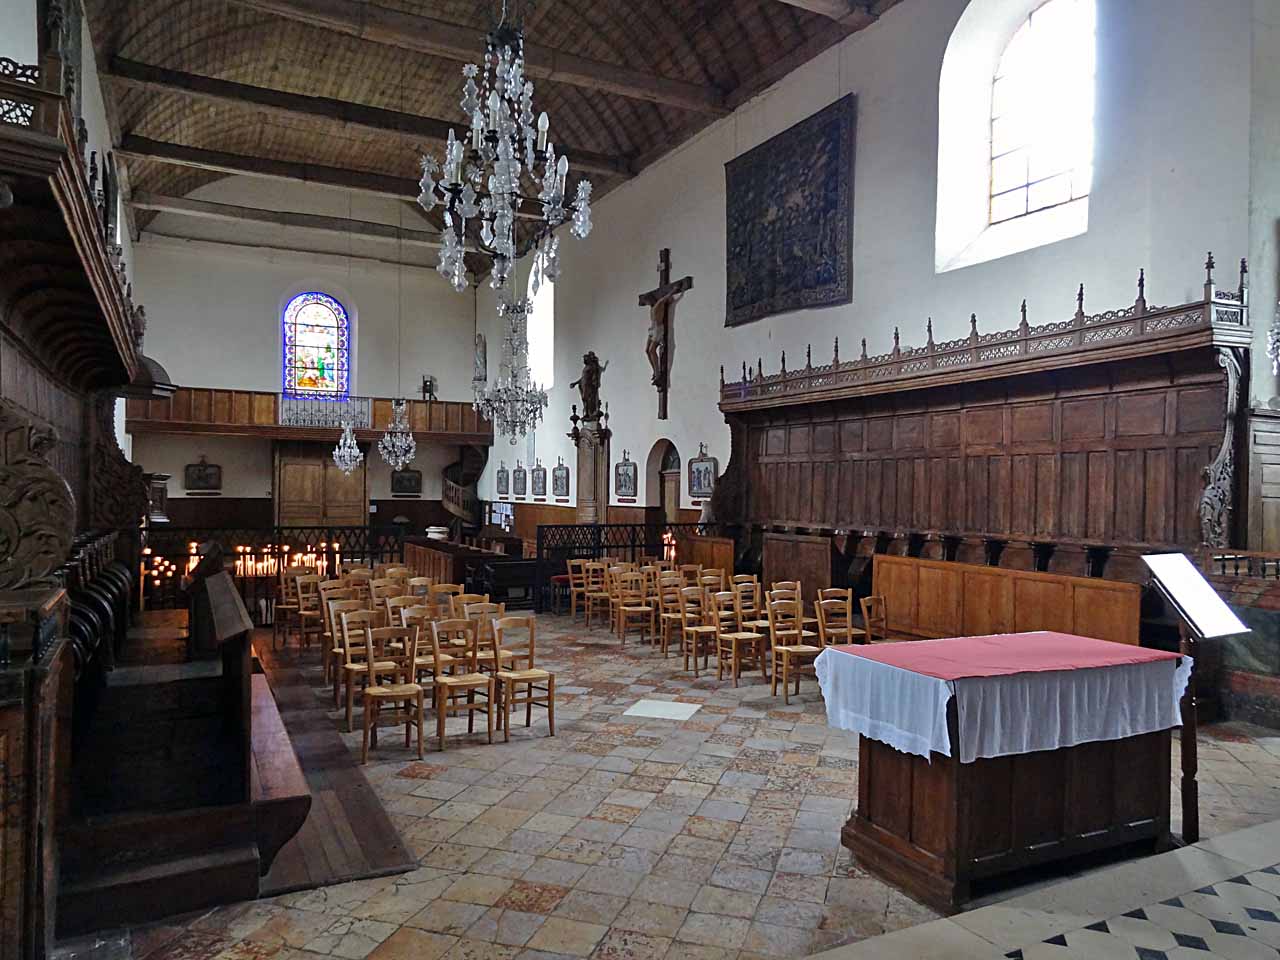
[431,459]
[214,309]
[18,30]
[1172,177]
[246,461]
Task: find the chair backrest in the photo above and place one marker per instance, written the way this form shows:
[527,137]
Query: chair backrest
[419,616]
[392,651]
[444,589]
[726,615]
[784,622]
[357,567]
[309,590]
[289,582]
[835,618]
[394,605]
[359,573]
[836,593]
[516,634]
[595,574]
[397,572]
[332,585]
[577,576]
[327,596]
[483,614]
[356,625]
[418,586]
[456,638]
[631,587]
[745,578]
[336,609]
[748,592]
[690,572]
[460,601]
[712,578]
[875,617]
[692,606]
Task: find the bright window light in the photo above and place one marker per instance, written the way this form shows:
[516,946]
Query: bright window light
[1042,102]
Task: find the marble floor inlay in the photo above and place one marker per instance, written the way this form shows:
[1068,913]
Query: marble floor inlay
[635,837]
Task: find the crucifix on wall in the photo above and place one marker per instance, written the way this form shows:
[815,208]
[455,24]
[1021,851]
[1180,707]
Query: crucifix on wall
[661,302]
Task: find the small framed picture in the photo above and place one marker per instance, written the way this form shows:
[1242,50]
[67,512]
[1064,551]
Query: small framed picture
[539,479]
[560,480]
[626,477]
[519,480]
[406,483]
[703,471]
[203,476]
[504,480]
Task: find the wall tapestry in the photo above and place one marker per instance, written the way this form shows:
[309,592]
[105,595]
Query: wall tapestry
[789,218]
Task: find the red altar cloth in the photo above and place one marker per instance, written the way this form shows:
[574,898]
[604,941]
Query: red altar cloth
[1004,654]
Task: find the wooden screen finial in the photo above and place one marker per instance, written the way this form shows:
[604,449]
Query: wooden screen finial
[835,356]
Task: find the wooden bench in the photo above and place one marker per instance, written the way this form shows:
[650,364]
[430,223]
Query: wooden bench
[278,790]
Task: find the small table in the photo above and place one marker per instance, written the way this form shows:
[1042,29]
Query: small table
[983,755]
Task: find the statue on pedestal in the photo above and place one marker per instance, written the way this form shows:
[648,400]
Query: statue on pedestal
[589,385]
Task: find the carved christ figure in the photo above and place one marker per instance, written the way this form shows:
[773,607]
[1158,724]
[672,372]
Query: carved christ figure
[661,302]
[658,344]
[589,385]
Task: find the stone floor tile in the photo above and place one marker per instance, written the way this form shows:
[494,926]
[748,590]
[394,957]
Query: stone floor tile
[590,907]
[466,949]
[478,888]
[737,877]
[571,937]
[564,873]
[447,916]
[653,918]
[667,890]
[612,880]
[509,927]
[529,897]
[714,931]
[631,945]
[410,944]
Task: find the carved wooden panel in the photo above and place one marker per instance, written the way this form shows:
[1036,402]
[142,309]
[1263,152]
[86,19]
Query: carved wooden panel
[794,557]
[1114,453]
[932,598]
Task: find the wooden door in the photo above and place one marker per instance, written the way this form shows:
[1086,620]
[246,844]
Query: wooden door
[671,496]
[344,496]
[312,491]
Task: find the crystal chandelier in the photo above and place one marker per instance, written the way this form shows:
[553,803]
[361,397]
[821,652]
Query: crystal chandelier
[514,404]
[347,453]
[397,445]
[507,171]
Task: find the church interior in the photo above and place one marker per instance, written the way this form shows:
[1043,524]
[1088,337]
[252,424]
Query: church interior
[639,479]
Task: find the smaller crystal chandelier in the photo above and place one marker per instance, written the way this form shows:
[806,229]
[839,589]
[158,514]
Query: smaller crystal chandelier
[347,453]
[514,404]
[397,445]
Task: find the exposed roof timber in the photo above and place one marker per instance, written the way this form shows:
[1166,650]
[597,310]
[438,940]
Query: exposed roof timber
[377,184]
[361,229]
[453,42]
[849,13]
[375,119]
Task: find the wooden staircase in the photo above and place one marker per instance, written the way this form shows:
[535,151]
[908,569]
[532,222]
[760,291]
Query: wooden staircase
[459,487]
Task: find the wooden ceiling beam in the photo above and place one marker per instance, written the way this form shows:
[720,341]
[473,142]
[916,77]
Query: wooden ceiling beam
[466,44]
[218,161]
[356,115]
[848,13]
[361,229]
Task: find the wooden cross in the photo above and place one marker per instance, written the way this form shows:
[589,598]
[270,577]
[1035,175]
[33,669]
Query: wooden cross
[661,302]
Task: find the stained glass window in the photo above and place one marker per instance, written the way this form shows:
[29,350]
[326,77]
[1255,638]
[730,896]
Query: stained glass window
[1042,112]
[317,347]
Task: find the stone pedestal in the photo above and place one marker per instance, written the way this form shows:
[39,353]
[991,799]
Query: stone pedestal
[592,441]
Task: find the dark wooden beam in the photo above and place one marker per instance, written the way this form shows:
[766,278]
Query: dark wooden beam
[466,44]
[354,115]
[378,184]
[849,13]
[207,210]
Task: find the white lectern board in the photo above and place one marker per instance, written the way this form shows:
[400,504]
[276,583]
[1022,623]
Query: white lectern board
[1196,601]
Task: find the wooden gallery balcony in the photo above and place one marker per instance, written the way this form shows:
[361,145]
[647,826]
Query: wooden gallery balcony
[247,413]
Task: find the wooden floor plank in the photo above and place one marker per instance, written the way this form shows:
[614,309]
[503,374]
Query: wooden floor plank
[348,834]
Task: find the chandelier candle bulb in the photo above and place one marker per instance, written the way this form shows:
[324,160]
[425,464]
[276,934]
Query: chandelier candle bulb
[543,124]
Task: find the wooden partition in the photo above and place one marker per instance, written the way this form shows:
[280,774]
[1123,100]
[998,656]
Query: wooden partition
[714,553]
[935,598]
[794,556]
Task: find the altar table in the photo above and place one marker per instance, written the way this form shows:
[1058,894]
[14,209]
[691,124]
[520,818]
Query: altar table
[983,755]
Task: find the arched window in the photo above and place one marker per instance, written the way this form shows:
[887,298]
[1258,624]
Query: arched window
[1042,112]
[1015,129]
[317,347]
[542,331]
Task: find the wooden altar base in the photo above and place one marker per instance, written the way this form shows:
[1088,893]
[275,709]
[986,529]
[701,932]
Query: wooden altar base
[934,827]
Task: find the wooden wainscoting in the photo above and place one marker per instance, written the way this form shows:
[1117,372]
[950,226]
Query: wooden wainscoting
[936,598]
[713,553]
[793,556]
